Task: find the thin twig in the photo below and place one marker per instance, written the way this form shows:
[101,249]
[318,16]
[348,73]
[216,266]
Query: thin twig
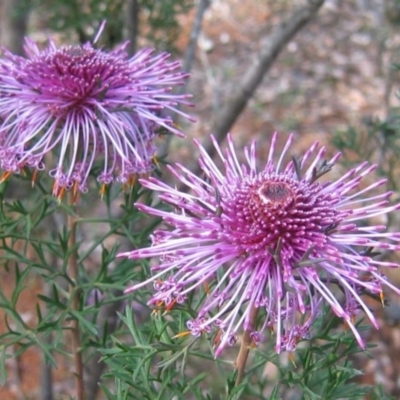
[188,61]
[13,24]
[245,347]
[16,366]
[46,381]
[253,77]
[73,273]
[107,322]
[54,223]
[194,36]
[132,25]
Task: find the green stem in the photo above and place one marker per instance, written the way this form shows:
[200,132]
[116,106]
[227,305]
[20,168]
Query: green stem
[74,297]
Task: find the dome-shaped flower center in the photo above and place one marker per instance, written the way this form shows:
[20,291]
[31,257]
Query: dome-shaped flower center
[75,77]
[270,208]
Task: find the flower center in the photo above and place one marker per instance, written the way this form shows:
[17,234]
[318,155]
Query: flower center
[271,208]
[76,77]
[275,192]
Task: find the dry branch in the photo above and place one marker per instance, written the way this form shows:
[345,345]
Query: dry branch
[256,72]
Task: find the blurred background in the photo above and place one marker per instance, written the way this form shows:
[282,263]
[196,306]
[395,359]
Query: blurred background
[333,77]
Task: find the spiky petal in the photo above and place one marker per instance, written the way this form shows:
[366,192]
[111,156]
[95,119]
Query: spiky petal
[278,239]
[86,104]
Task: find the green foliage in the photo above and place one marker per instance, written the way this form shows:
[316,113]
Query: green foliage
[151,363]
[152,347]
[161,26]
[158,20]
[34,247]
[377,141]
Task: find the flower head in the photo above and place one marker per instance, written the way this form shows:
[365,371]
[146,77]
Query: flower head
[87,104]
[278,240]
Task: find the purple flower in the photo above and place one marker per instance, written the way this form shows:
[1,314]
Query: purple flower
[87,104]
[278,240]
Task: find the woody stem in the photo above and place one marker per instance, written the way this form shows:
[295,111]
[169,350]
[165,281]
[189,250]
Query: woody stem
[245,347]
